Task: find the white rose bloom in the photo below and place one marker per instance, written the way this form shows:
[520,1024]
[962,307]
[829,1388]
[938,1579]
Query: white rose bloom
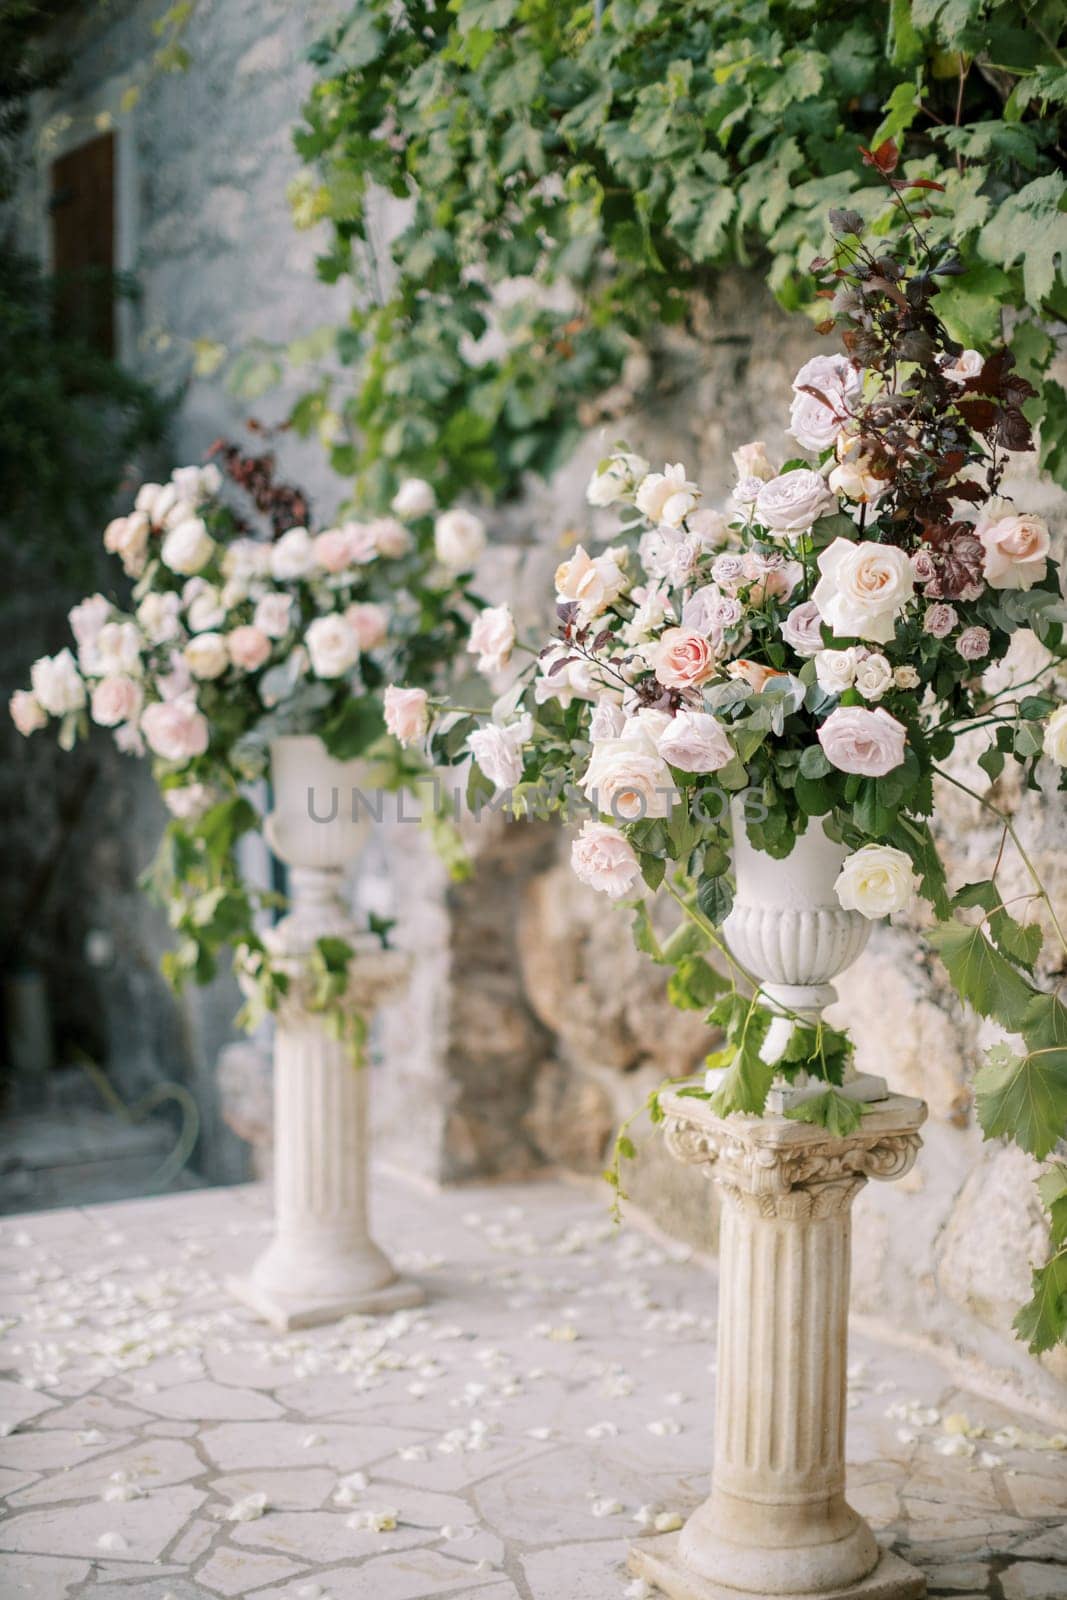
[292,556]
[853,479]
[815,423]
[863,588]
[752,461]
[874,675]
[616,479]
[835,670]
[57,684]
[968,364]
[1015,546]
[694,741]
[498,751]
[414,498]
[653,609]
[117,650]
[187,547]
[332,646]
[876,881]
[274,615]
[206,655]
[27,713]
[594,582]
[793,501]
[1055,741]
[492,638]
[127,538]
[607,721]
[203,606]
[190,801]
[710,527]
[88,617]
[656,489]
[246,559]
[196,483]
[156,500]
[459,539]
[628,780]
[157,617]
[906,677]
[604,859]
[391,538]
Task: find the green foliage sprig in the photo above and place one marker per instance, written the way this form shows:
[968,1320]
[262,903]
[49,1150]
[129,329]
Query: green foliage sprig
[614,170]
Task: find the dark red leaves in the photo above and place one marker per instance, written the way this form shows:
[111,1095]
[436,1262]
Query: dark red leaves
[884,159]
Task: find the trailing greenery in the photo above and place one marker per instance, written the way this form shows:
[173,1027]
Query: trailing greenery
[615,170]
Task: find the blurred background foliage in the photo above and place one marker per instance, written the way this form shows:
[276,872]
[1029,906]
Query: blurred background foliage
[602,172]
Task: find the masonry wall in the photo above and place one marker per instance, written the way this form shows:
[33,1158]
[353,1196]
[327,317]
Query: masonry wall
[533,1028]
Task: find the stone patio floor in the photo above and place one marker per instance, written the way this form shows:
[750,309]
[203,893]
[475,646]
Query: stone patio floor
[552,1400]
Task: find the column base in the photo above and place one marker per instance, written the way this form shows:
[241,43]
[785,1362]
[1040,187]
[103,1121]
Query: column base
[658,1562]
[288,1312]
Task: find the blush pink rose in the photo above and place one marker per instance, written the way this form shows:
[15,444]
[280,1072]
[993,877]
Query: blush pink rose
[604,859]
[407,713]
[683,659]
[114,700]
[870,743]
[27,713]
[1016,550]
[249,647]
[369,623]
[175,729]
[694,741]
[333,550]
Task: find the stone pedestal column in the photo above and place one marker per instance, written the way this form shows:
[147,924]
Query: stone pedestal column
[322,1262]
[777,1522]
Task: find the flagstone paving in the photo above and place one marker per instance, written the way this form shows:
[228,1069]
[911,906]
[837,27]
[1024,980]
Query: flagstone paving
[551,1400]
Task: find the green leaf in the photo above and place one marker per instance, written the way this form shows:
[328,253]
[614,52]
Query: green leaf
[1023,1097]
[715,897]
[644,934]
[694,985]
[980,974]
[832,1111]
[1042,1322]
[1052,1187]
[1030,226]
[353,729]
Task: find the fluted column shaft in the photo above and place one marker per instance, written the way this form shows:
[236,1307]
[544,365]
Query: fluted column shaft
[777,1521]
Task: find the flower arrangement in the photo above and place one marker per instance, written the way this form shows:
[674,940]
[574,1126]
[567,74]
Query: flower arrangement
[240,631]
[819,650]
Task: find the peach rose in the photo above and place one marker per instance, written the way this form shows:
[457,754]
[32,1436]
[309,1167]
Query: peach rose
[683,659]
[333,550]
[754,673]
[1016,548]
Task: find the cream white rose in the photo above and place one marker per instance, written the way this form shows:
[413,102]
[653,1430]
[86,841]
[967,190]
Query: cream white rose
[27,713]
[414,498]
[117,648]
[391,538]
[492,638]
[666,496]
[693,741]
[616,479]
[968,364]
[863,588]
[593,582]
[158,618]
[603,859]
[498,751]
[874,675]
[752,461]
[835,670]
[459,539]
[627,781]
[854,479]
[1016,549]
[793,501]
[127,538]
[206,655]
[292,556]
[196,483]
[204,609]
[815,422]
[1055,740]
[274,614]
[88,617]
[157,500]
[57,684]
[876,881]
[332,646]
[407,712]
[578,680]
[188,547]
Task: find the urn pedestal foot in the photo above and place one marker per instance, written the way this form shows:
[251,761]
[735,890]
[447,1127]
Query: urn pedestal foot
[777,1524]
[287,1312]
[658,1562]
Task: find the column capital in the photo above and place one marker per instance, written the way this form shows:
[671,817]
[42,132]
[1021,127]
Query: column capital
[780,1167]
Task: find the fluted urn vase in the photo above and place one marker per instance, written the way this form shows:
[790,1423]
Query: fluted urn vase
[321,1263]
[777,1522]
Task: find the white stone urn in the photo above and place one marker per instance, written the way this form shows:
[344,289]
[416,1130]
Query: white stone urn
[321,1263]
[788,929]
[777,1522]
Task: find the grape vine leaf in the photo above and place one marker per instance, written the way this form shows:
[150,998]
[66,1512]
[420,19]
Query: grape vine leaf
[980,974]
[832,1111]
[1024,1097]
[1042,1322]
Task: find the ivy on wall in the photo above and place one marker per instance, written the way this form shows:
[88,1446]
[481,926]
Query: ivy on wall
[613,171]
